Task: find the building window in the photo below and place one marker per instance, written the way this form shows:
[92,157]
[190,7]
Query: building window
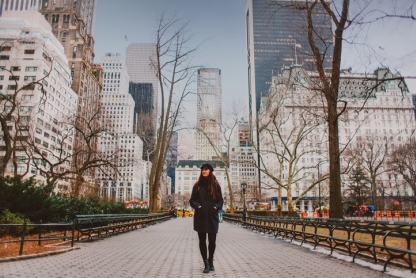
[5,48]
[29,78]
[29,51]
[4,57]
[31,68]
[14,77]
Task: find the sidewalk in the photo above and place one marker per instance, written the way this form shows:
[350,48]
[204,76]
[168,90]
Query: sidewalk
[170,249]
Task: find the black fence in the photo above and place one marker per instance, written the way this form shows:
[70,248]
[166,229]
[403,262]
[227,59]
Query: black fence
[44,232]
[84,227]
[385,241]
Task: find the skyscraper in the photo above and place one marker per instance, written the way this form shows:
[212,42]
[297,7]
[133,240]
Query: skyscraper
[118,104]
[40,126]
[276,37]
[144,87]
[139,58]
[72,24]
[19,5]
[118,115]
[209,113]
[144,121]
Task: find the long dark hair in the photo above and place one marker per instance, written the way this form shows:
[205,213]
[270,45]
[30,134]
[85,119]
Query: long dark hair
[212,183]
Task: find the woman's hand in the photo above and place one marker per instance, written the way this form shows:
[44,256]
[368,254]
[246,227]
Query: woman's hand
[215,207]
[199,207]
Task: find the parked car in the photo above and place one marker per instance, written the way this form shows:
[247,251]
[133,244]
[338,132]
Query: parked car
[179,213]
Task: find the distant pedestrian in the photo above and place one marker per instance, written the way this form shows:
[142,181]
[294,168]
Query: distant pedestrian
[206,199]
[183,213]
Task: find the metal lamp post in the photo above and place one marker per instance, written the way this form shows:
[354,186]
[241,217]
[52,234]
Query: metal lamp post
[319,193]
[244,186]
[169,202]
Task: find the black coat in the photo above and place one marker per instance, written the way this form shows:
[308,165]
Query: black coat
[206,217]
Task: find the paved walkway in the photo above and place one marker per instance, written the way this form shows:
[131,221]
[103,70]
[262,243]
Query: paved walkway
[170,249]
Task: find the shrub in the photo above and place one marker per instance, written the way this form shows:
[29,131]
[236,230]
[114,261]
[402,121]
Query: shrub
[12,218]
[34,201]
[25,197]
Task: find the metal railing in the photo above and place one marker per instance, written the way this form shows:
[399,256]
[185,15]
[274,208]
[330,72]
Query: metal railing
[68,231]
[60,232]
[382,240]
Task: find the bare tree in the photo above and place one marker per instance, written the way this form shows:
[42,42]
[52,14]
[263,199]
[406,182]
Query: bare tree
[402,161]
[342,17]
[371,153]
[58,162]
[289,132]
[173,69]
[146,131]
[18,109]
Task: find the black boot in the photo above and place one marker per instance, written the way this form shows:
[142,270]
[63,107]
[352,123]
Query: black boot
[206,269]
[211,265]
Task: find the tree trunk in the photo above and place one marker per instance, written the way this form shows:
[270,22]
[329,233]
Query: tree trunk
[77,186]
[7,140]
[335,196]
[279,200]
[230,190]
[289,200]
[373,189]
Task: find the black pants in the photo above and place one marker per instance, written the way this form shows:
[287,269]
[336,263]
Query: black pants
[203,245]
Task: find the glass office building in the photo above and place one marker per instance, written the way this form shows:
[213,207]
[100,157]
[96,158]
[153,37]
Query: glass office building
[277,37]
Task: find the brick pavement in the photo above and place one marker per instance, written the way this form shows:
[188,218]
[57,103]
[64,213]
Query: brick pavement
[170,249]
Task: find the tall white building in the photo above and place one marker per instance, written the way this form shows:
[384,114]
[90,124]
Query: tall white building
[45,115]
[118,104]
[118,116]
[294,109]
[209,114]
[19,5]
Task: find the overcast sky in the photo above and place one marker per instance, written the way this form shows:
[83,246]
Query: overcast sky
[220,25]
[217,24]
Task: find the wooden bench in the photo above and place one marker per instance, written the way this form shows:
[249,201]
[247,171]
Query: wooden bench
[100,225]
[92,227]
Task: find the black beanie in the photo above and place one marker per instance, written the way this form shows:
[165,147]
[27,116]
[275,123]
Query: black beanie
[207,166]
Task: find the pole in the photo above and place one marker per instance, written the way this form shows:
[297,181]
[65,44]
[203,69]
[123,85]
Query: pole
[244,205]
[22,240]
[319,188]
[319,192]
[296,56]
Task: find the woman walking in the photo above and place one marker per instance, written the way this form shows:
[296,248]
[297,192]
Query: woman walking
[206,199]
